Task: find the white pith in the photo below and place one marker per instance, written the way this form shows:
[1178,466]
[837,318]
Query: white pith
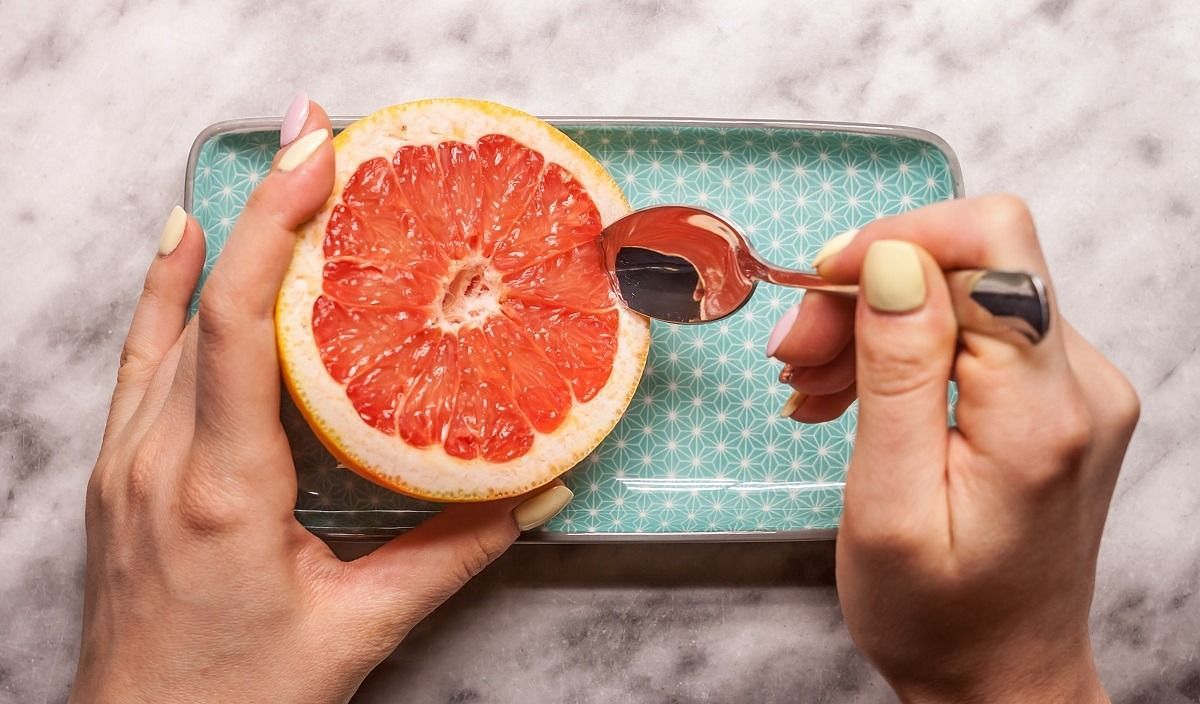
[458,310]
[431,472]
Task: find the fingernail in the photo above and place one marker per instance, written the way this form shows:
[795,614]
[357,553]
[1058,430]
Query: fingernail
[894,277]
[786,374]
[833,246]
[172,232]
[294,119]
[793,402]
[781,329]
[534,512]
[302,149]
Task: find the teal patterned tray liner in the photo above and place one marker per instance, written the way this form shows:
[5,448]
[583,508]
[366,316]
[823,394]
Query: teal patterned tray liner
[701,449]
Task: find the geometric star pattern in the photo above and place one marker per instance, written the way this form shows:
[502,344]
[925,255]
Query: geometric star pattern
[701,449]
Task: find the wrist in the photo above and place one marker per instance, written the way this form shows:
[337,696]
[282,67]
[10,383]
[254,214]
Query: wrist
[1051,694]
[1044,683]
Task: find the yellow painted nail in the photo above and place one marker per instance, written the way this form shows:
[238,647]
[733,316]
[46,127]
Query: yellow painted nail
[172,232]
[894,277]
[300,150]
[535,511]
[833,246]
[793,402]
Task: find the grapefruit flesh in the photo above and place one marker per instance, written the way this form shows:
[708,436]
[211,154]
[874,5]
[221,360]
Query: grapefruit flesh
[446,324]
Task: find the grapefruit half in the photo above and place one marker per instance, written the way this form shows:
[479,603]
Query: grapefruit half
[446,325]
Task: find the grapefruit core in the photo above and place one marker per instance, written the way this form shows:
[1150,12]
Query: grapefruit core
[446,325]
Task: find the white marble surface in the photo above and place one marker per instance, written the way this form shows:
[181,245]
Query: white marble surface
[1088,108]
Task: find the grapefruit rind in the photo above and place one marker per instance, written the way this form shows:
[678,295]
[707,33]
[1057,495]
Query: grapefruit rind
[431,473]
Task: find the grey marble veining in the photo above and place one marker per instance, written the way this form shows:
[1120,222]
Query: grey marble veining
[1086,108]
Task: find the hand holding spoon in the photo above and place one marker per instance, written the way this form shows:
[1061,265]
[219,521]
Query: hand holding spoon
[682,264]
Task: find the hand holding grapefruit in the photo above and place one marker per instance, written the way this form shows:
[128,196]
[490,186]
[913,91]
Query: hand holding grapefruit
[446,324]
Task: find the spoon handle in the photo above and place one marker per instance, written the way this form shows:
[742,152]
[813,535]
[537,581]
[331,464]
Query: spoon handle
[985,300]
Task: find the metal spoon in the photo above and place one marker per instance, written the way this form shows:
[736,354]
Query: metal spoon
[681,264]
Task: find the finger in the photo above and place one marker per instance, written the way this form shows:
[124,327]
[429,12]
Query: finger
[171,397]
[237,371]
[162,423]
[905,336]
[814,331]
[994,231]
[155,407]
[416,572]
[160,313]
[819,409]
[829,378]
[995,374]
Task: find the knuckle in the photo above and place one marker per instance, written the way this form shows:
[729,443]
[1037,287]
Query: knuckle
[203,510]
[145,468]
[218,311]
[129,355]
[134,368]
[1010,213]
[99,499]
[1122,407]
[1073,429]
[271,207]
[260,199]
[1065,438]
[1116,405]
[1127,404]
[893,371]
[136,362]
[473,557]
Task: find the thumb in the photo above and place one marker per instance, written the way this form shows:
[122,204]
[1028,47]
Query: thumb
[259,249]
[414,573]
[237,389]
[905,335]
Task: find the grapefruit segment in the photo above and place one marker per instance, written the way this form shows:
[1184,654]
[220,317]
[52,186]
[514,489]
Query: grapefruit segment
[462,191]
[383,227]
[352,340]
[574,279]
[428,404]
[384,236]
[423,185]
[560,217]
[374,396]
[582,345]
[486,421]
[373,188]
[375,392]
[446,324]
[510,177]
[544,397]
[364,283]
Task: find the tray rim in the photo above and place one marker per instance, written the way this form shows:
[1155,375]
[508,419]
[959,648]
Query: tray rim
[259,124]
[543,537]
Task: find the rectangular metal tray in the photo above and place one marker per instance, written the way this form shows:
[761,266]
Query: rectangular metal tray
[701,454]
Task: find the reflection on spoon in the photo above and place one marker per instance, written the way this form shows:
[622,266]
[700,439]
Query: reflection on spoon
[656,252]
[667,287]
